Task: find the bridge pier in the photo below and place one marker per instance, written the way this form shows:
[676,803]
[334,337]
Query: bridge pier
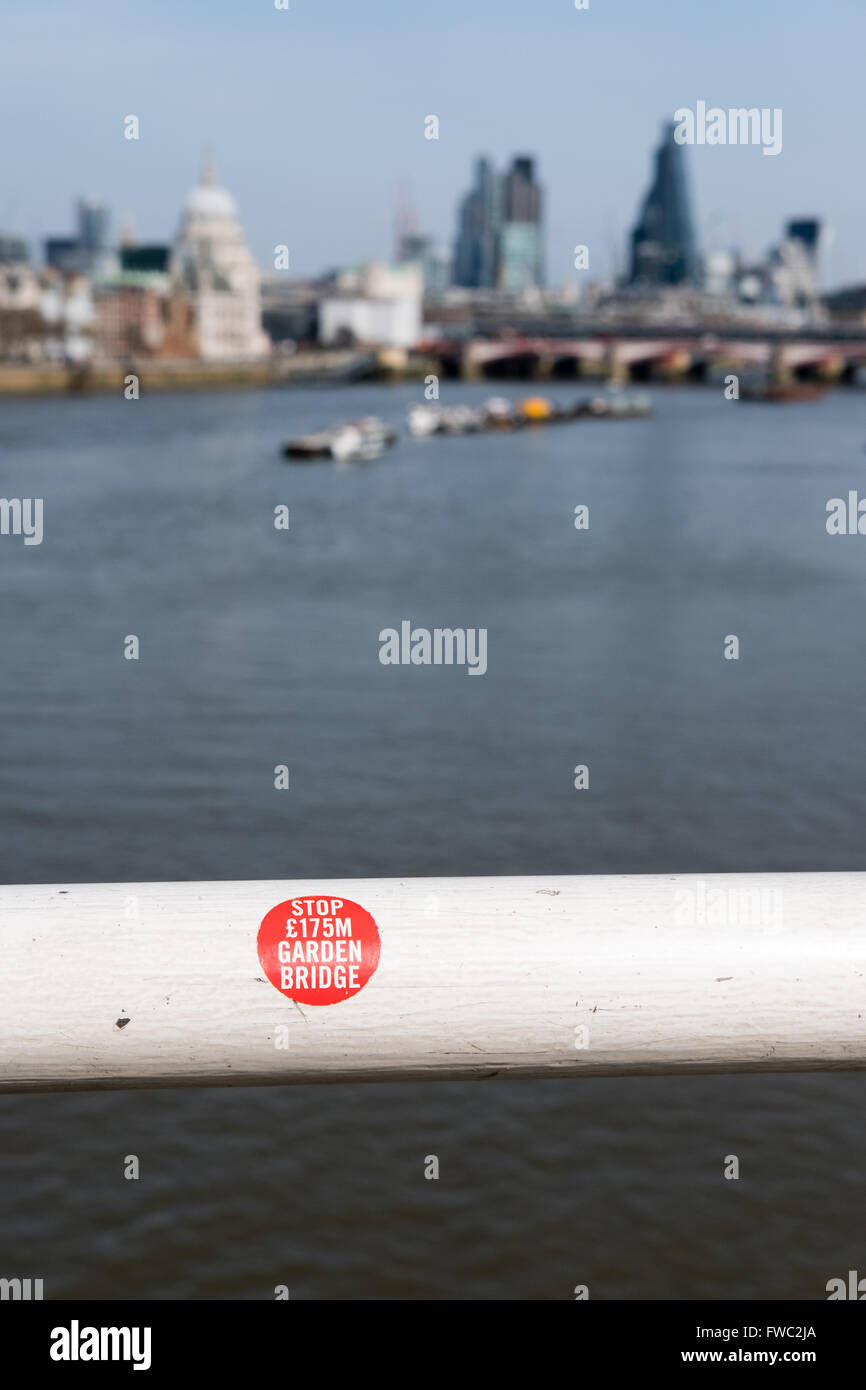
[470,369]
[615,367]
[779,372]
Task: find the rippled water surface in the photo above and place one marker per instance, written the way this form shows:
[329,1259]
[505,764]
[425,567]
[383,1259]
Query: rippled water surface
[260,647]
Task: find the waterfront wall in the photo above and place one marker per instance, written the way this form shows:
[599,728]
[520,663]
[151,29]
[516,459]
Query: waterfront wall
[163,375]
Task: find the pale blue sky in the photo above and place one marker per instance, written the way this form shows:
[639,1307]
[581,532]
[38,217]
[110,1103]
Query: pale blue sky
[316,114]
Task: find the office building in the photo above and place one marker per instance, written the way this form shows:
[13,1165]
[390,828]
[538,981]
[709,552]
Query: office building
[663,247]
[521,265]
[476,251]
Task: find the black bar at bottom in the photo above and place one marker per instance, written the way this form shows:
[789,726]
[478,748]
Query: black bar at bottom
[157,1339]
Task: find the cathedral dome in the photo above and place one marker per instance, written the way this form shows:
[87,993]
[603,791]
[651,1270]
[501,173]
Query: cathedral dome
[215,272]
[208,199]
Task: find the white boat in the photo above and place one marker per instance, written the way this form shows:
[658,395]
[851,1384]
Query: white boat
[462,419]
[424,420]
[621,405]
[348,443]
[358,440]
[499,413]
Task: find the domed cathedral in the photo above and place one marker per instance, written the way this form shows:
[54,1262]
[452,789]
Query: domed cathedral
[214,267]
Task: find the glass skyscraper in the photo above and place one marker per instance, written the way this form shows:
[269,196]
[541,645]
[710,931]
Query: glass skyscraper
[663,248]
[476,251]
[499,230]
[521,264]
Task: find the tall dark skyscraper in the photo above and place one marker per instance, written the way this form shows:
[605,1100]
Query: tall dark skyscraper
[663,249]
[521,194]
[521,258]
[476,251]
[499,229]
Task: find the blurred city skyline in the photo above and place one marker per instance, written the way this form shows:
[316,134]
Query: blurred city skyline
[316,118]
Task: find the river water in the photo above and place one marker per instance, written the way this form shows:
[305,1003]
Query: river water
[605,647]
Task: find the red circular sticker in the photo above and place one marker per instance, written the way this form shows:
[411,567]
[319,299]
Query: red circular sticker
[318,950]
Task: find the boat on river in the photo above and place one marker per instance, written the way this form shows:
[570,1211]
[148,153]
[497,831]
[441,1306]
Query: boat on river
[354,441]
[781,392]
[498,413]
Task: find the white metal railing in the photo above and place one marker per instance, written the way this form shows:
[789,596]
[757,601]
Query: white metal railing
[505,977]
